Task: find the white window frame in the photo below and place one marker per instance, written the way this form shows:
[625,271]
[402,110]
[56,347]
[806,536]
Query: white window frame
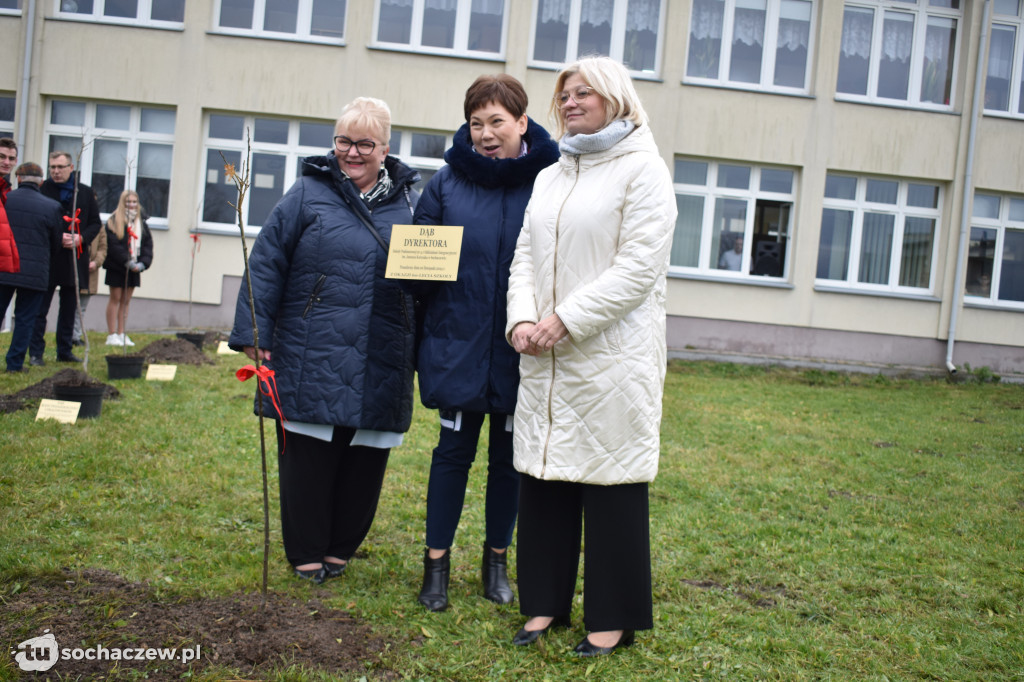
[771,29]
[922,12]
[1017,24]
[89,133]
[901,211]
[710,192]
[461,38]
[16,12]
[145,11]
[404,151]
[7,125]
[1001,225]
[291,151]
[303,24]
[617,40]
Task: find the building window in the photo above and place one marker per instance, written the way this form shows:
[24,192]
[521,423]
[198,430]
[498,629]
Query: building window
[760,44]
[153,13]
[734,220]
[278,147]
[117,147]
[995,256]
[1004,86]
[7,115]
[626,30]
[461,27]
[421,150]
[878,234]
[10,7]
[309,20]
[899,51]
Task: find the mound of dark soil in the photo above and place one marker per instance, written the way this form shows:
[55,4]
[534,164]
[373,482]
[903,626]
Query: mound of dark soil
[98,608]
[44,389]
[175,352]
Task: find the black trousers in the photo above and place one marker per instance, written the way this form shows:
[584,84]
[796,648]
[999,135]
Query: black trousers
[68,308]
[329,494]
[613,522]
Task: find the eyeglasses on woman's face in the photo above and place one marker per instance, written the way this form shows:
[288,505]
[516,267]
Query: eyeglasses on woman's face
[363,147]
[579,95]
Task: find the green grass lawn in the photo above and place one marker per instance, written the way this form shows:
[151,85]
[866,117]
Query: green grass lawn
[805,526]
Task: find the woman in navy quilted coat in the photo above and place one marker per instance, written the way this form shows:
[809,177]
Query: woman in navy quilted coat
[466,368]
[338,335]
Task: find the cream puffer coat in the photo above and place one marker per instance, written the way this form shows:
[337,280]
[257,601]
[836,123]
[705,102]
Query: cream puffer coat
[595,249]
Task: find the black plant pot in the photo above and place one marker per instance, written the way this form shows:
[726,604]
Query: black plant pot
[125,366]
[91,398]
[195,338]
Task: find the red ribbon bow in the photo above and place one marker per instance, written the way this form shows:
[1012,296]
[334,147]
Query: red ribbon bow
[196,244]
[268,387]
[73,228]
[131,236]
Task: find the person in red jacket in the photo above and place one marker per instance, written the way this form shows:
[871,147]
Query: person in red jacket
[9,260]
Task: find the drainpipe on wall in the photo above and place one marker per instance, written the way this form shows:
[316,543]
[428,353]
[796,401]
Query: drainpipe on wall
[968,192]
[26,72]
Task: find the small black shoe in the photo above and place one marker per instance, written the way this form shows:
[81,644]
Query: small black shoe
[11,370]
[36,362]
[494,573]
[68,358]
[434,593]
[316,575]
[333,570]
[524,636]
[77,342]
[585,649]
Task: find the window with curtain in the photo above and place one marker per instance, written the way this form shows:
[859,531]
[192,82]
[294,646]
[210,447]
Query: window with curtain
[153,13]
[627,30]
[463,27]
[878,234]
[116,147]
[756,44]
[899,51]
[1004,81]
[278,147]
[735,220]
[308,20]
[995,255]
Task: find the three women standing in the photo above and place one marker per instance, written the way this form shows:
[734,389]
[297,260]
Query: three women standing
[586,309]
[467,371]
[338,335]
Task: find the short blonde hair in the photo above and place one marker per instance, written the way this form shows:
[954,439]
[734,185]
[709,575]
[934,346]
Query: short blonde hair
[608,78]
[369,113]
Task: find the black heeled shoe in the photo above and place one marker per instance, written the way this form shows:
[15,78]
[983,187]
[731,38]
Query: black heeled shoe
[333,570]
[434,593]
[494,575]
[524,636]
[316,575]
[586,649]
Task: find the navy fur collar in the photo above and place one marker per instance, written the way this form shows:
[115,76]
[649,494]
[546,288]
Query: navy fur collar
[491,173]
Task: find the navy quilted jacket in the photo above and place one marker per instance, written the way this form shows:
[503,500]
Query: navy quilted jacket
[464,360]
[340,334]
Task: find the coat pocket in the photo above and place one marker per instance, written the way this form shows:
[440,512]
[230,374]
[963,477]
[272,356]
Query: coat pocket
[314,296]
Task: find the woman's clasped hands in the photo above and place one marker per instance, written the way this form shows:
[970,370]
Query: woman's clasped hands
[533,339]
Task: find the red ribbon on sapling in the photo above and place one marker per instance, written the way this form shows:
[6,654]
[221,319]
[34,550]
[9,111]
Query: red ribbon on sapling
[268,387]
[73,228]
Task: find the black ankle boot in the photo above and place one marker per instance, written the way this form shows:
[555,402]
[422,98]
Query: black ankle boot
[434,593]
[494,573]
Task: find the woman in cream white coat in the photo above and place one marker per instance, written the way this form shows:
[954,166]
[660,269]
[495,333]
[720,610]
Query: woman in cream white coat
[586,309]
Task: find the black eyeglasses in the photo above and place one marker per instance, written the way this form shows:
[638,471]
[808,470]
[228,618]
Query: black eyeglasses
[66,165]
[363,147]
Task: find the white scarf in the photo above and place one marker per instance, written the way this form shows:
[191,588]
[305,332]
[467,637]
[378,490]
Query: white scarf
[603,139]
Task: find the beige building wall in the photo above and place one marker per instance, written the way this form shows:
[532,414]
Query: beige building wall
[197,71]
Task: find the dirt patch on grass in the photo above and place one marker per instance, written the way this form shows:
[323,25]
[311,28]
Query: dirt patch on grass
[175,352]
[31,395]
[235,635]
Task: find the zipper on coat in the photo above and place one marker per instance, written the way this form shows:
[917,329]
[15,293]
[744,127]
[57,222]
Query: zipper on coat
[314,297]
[554,304]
